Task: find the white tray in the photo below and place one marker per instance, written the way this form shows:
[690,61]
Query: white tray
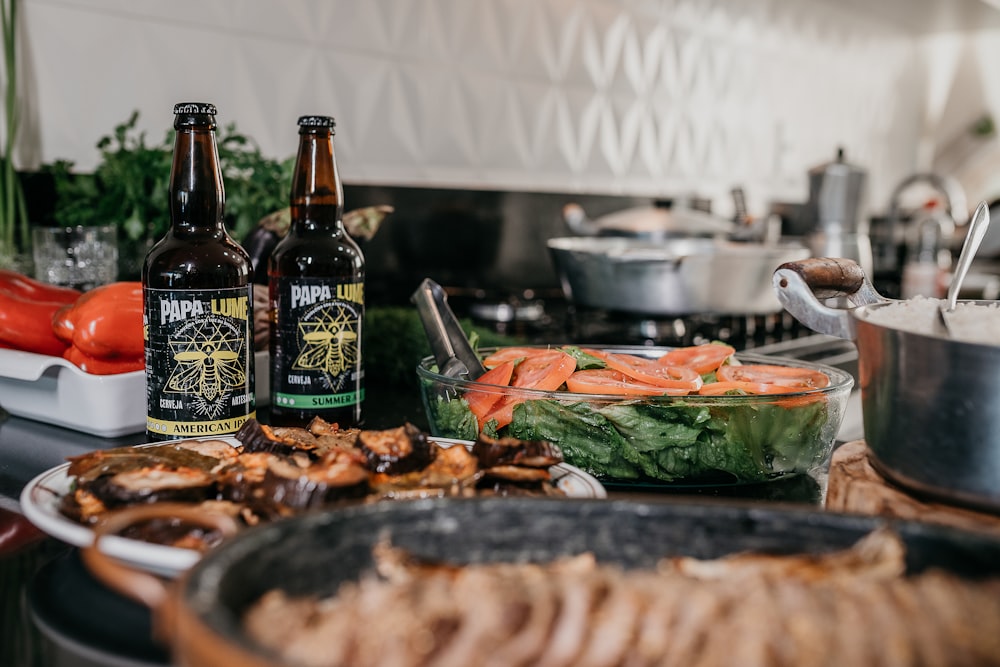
[52,390]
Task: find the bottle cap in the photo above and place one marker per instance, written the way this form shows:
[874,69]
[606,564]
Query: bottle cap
[194,107]
[187,114]
[317,122]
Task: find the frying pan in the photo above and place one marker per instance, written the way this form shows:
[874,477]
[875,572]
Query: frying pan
[313,554]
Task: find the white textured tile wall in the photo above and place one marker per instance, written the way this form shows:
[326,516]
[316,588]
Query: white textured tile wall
[649,97]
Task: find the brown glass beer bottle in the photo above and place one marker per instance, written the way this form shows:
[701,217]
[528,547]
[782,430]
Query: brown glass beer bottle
[316,278]
[198,305]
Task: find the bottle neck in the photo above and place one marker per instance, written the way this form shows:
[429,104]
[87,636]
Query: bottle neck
[317,195]
[197,195]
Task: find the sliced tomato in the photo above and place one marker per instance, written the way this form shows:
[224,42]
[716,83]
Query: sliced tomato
[794,378]
[482,401]
[610,381]
[744,386]
[533,368]
[546,371]
[651,371]
[514,353]
[702,358]
[502,412]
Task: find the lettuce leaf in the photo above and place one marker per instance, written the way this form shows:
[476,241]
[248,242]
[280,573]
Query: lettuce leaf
[666,442]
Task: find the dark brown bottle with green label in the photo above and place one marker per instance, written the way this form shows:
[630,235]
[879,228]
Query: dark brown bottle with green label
[198,305]
[316,280]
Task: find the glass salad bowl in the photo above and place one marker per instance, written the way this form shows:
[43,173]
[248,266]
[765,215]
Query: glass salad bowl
[632,414]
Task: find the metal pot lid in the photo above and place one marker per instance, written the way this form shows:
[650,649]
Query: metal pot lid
[648,220]
[839,167]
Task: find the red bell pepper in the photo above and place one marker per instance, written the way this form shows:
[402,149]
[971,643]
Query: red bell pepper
[105,323]
[96,366]
[26,324]
[21,285]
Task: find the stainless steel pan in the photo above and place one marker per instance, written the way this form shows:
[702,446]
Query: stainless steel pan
[931,404]
[680,276]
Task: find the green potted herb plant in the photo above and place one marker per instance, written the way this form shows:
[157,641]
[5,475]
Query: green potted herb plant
[129,188]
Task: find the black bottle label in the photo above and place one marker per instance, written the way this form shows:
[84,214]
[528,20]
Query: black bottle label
[316,364]
[199,361]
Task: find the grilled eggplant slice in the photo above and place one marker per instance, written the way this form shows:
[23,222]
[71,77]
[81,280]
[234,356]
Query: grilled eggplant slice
[153,484]
[174,533]
[512,451]
[90,466]
[337,476]
[397,450]
[257,437]
[454,471]
[217,449]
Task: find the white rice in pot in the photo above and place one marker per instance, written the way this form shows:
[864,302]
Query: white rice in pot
[969,322]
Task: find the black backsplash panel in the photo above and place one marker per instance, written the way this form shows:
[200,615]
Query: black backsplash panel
[486,239]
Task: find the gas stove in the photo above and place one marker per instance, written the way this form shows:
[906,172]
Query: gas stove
[545,316]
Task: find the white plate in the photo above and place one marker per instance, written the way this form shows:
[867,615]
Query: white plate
[41,497]
[52,390]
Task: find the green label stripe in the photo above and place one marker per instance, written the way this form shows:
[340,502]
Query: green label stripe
[318,401]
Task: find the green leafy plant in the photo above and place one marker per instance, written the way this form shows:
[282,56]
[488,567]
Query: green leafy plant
[13,209]
[130,187]
[255,184]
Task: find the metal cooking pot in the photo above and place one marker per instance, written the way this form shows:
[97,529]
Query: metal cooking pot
[930,404]
[647,222]
[681,276]
[313,554]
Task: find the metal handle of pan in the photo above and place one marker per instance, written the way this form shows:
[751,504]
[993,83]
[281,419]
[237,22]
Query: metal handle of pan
[806,287]
[143,587]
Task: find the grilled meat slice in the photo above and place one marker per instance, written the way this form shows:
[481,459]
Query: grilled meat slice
[511,451]
[588,615]
[879,555]
[397,450]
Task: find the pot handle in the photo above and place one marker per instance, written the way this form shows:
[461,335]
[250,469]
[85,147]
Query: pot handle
[802,286]
[143,587]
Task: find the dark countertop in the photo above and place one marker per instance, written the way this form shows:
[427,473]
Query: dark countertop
[69,619]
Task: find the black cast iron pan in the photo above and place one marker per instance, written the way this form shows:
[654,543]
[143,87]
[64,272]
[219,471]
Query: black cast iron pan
[315,553]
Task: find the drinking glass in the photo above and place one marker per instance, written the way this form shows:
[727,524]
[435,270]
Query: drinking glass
[80,257]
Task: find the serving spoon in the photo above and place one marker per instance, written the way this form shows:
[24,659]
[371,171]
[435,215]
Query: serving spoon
[977,232]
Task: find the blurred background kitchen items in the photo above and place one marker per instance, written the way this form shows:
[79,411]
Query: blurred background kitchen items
[836,207]
[677,276]
[647,222]
[78,257]
[918,231]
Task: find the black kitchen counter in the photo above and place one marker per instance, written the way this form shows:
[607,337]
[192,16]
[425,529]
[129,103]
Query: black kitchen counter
[54,613]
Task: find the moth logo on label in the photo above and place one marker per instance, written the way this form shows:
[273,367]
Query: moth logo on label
[330,342]
[208,363]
